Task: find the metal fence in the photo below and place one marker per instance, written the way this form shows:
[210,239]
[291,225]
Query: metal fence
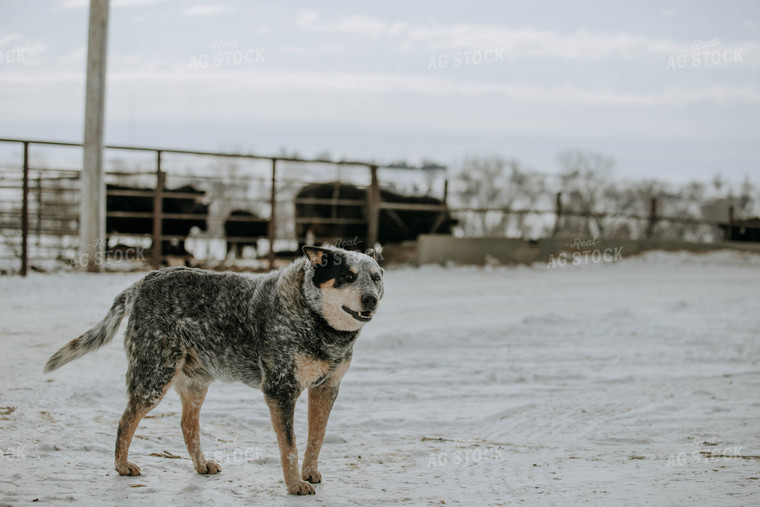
[39,205]
[561,216]
[26,188]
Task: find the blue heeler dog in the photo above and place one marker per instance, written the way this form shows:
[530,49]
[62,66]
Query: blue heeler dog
[282,332]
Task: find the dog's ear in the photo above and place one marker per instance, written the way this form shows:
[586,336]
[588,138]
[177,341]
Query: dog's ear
[371,252]
[317,256]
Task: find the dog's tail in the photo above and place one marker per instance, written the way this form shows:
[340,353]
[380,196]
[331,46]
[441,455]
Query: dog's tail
[96,337]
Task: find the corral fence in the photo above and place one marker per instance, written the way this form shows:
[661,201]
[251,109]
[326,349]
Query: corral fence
[564,221]
[40,203]
[39,206]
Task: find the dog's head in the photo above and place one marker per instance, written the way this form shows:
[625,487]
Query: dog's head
[344,287]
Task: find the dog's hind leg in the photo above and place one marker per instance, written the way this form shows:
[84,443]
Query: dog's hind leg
[135,411]
[147,384]
[192,395]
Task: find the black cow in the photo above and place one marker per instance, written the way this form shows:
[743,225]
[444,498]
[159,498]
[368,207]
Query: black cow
[169,226]
[394,226]
[249,231]
[742,230]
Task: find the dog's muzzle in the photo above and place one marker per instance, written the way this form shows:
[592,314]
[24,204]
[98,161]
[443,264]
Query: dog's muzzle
[363,316]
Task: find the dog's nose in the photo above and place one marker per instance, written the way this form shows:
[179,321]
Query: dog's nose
[369,301]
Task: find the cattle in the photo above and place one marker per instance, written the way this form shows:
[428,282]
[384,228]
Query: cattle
[181,227]
[742,230]
[350,227]
[241,233]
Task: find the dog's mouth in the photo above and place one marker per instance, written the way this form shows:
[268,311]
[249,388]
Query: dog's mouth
[364,316]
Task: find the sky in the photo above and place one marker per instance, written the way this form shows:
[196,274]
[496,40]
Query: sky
[670,90]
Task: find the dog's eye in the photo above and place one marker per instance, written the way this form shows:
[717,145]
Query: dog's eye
[350,277]
[376,277]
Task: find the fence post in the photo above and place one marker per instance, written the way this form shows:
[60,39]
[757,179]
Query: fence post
[446,192]
[272,215]
[652,217]
[730,230]
[25,214]
[38,230]
[158,211]
[373,208]
[558,213]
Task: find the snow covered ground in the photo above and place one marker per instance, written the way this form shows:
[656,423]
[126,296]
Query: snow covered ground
[603,384]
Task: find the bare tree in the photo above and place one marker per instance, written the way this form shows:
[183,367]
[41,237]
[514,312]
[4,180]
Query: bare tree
[492,182]
[746,201]
[683,201]
[588,190]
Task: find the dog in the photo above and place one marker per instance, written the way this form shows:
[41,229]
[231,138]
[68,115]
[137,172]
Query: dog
[281,332]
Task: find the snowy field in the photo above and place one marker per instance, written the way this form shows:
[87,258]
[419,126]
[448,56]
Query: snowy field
[611,384]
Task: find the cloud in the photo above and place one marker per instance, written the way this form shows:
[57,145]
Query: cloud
[347,82]
[330,48]
[81,4]
[264,80]
[306,18]
[207,10]
[515,43]
[293,50]
[319,48]
[71,4]
[9,38]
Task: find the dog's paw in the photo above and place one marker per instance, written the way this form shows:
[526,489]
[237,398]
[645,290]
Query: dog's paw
[128,468]
[210,467]
[311,475]
[300,488]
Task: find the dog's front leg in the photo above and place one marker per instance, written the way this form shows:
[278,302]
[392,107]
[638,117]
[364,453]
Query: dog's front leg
[281,409]
[321,401]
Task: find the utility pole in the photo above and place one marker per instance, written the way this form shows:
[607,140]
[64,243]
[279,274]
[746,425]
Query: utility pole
[92,205]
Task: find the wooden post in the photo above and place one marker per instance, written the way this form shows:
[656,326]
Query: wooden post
[558,213]
[158,212]
[25,214]
[92,207]
[446,191]
[272,214]
[373,208]
[730,230]
[652,217]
